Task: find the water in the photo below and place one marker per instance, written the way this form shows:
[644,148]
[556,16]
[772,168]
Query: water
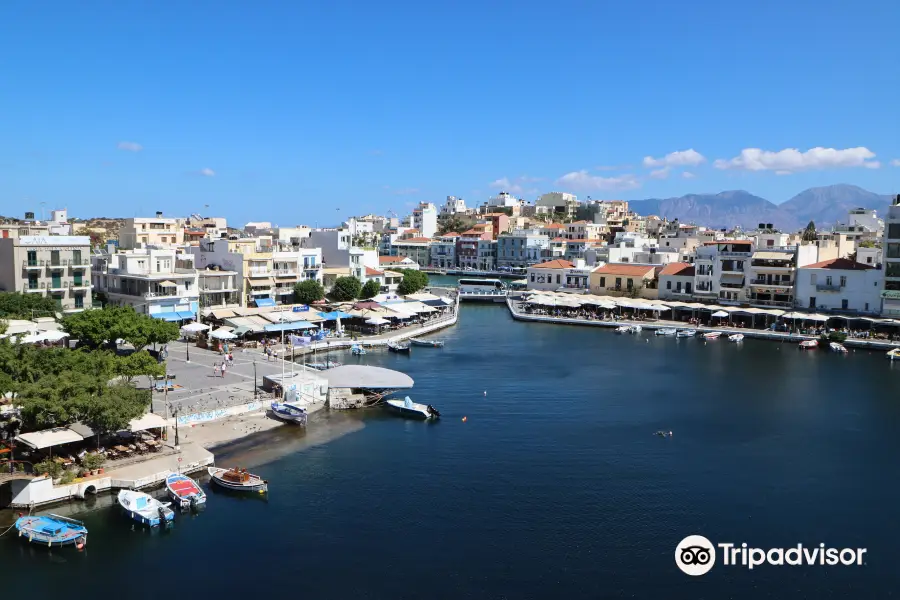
[553,487]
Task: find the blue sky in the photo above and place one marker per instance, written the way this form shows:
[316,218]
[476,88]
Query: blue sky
[305,112]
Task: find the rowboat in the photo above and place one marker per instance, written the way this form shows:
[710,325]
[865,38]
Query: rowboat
[52,531]
[667,331]
[737,337]
[357,350]
[144,508]
[686,333]
[288,411]
[712,335]
[184,491]
[809,344]
[836,347]
[634,329]
[238,479]
[408,408]
[893,354]
[398,347]
[432,343]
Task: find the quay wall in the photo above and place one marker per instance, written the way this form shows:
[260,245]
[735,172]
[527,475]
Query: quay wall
[214,415]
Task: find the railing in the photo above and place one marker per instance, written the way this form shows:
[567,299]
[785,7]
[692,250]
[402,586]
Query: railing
[827,287]
[758,264]
[775,303]
[54,264]
[260,273]
[772,283]
[34,288]
[82,262]
[735,253]
[286,272]
[32,263]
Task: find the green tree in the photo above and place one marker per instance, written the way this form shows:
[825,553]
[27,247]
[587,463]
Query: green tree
[809,234]
[455,223]
[114,409]
[14,305]
[137,364]
[412,281]
[308,291]
[370,290]
[346,289]
[104,326]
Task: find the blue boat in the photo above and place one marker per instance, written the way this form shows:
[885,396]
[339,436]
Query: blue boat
[145,509]
[52,530]
[357,350]
[184,491]
[290,412]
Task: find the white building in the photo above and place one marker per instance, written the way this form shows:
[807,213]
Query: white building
[215,227]
[558,274]
[722,268]
[862,225]
[503,200]
[839,284]
[443,252]
[676,281]
[557,202]
[891,293]
[158,231]
[453,206]
[258,227]
[54,266]
[424,218]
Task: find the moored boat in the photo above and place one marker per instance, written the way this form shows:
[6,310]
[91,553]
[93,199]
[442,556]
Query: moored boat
[893,354]
[712,335]
[736,337]
[809,344]
[398,347]
[408,408]
[357,350]
[238,479]
[289,411]
[432,343]
[836,347]
[686,333]
[635,329]
[184,491]
[623,329]
[52,531]
[144,508]
[667,331]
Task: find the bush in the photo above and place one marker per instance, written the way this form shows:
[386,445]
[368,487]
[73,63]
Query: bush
[93,461]
[53,469]
[370,290]
[346,289]
[68,477]
[834,336]
[412,282]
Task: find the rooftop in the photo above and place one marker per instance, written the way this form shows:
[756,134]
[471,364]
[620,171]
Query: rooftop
[373,272]
[625,269]
[555,264]
[679,268]
[365,377]
[842,264]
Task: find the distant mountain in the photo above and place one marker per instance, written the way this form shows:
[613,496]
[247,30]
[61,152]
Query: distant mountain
[725,209]
[829,205]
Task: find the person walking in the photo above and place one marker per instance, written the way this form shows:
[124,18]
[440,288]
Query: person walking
[216,369]
[223,369]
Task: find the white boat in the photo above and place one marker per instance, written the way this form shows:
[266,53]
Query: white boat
[623,329]
[357,350]
[634,329]
[809,344]
[144,508]
[893,354]
[184,491]
[432,343]
[737,337]
[667,331]
[408,408]
[238,480]
[712,335]
[686,333]
[289,411]
[836,347]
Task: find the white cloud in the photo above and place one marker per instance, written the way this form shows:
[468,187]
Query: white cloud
[585,181]
[660,173]
[504,184]
[895,162]
[129,146]
[792,160]
[688,175]
[680,158]
[207,172]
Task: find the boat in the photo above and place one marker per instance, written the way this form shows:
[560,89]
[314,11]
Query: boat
[144,508]
[357,350]
[623,329]
[712,335]
[184,491]
[398,347]
[836,347]
[318,366]
[667,331]
[238,479]
[663,434]
[289,411]
[634,329]
[408,408]
[52,531]
[432,343]
[685,333]
[893,354]
[737,337]
[809,344]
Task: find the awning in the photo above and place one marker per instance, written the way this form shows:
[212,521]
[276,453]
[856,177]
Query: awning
[773,255]
[334,316]
[82,430]
[418,307]
[167,283]
[265,302]
[148,421]
[239,331]
[49,437]
[186,314]
[292,326]
[167,316]
[377,321]
[439,303]
[195,327]
[720,314]
[731,278]
[222,313]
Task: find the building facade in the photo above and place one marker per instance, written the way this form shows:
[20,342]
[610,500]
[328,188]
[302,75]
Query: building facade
[54,266]
[139,232]
[891,292]
[521,248]
[839,285]
[625,279]
[676,281]
[424,218]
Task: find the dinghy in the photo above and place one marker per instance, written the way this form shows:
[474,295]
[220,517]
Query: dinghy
[398,347]
[737,337]
[893,354]
[712,335]
[144,508]
[408,408]
[238,480]
[635,329]
[52,531]
[432,343]
[623,329]
[184,491]
[809,344]
[667,331]
[290,412]
[686,333]
[836,347]
[357,350]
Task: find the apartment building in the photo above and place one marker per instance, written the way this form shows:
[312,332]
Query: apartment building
[676,281]
[558,274]
[218,288]
[156,231]
[467,247]
[453,206]
[54,266]
[722,268]
[840,285]
[521,248]
[891,292]
[417,248]
[424,218]
[560,203]
[443,252]
[625,279]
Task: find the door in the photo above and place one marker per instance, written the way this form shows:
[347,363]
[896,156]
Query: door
[812,302]
[54,258]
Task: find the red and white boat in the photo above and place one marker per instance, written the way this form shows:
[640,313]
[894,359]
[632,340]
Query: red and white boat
[184,491]
[712,335]
[809,344]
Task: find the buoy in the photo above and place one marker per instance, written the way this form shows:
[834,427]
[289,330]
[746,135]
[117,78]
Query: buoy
[485,392]
[464,419]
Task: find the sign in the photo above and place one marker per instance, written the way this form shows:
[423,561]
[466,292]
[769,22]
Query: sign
[57,242]
[891,294]
[301,308]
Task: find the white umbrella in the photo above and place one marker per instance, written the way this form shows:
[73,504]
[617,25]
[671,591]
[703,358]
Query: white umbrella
[720,313]
[195,327]
[55,336]
[661,308]
[377,321]
[221,334]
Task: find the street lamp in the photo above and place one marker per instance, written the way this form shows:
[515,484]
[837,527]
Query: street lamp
[255,387]
[187,349]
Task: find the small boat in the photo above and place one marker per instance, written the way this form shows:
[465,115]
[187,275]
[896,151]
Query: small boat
[634,329]
[145,509]
[623,329]
[667,331]
[809,344]
[184,491]
[893,354]
[712,335]
[289,411]
[432,343]
[328,364]
[398,347]
[408,408]
[685,333]
[238,480]
[836,347]
[663,434]
[737,337]
[357,350]
[52,531]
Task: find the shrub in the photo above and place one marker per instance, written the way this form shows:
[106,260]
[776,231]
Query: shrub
[53,469]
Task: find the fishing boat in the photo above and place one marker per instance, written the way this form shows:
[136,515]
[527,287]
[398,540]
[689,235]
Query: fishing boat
[184,491]
[408,408]
[712,335]
[809,344]
[239,480]
[737,337]
[893,354]
[685,333]
[623,329]
[634,329]
[667,331]
[144,508]
[836,347]
[357,350]
[289,411]
[52,531]
[432,343]
[398,347]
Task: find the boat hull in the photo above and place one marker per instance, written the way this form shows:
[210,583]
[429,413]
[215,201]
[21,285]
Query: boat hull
[417,411]
[399,349]
[153,513]
[291,415]
[67,532]
[432,344]
[184,491]
[256,484]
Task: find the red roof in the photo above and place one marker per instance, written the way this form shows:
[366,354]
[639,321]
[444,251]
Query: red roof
[842,264]
[559,263]
[451,234]
[373,272]
[554,226]
[472,232]
[679,268]
[625,269]
[417,240]
[390,259]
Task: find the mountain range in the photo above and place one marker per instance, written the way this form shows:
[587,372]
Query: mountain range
[823,205]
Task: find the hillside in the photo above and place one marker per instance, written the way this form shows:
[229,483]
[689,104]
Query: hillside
[829,205]
[725,209]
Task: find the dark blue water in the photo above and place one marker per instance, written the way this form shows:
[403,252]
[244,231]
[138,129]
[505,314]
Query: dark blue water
[553,487]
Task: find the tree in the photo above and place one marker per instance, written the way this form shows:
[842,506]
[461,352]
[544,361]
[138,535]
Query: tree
[137,364]
[412,281]
[115,408]
[346,289]
[455,223]
[14,305]
[97,327]
[370,290]
[809,234]
[308,291]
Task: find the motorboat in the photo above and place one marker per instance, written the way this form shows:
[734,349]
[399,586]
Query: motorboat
[398,347]
[712,335]
[290,412]
[737,337]
[184,491]
[238,479]
[836,347]
[145,509]
[663,434]
[634,329]
[667,331]
[432,343]
[52,531]
[623,329]
[809,344]
[357,350]
[408,408]
[324,366]
[685,333]
[893,354]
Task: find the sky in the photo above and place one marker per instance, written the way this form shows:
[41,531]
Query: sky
[309,112]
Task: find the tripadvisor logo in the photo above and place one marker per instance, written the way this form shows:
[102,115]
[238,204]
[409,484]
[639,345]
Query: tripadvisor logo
[696,555]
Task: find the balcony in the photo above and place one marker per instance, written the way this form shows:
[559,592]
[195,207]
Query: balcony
[57,265]
[286,272]
[735,254]
[260,273]
[32,264]
[79,263]
[58,286]
[213,290]
[780,283]
[84,284]
[776,268]
[828,287]
[771,303]
[28,288]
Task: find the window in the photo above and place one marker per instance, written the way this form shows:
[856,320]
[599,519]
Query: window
[894,231]
[892,269]
[844,304]
[770,243]
[812,302]
[618,283]
[687,287]
[32,258]
[603,282]
[557,280]
[812,279]
[54,257]
[828,280]
[79,301]
[843,280]
[669,286]
[630,283]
